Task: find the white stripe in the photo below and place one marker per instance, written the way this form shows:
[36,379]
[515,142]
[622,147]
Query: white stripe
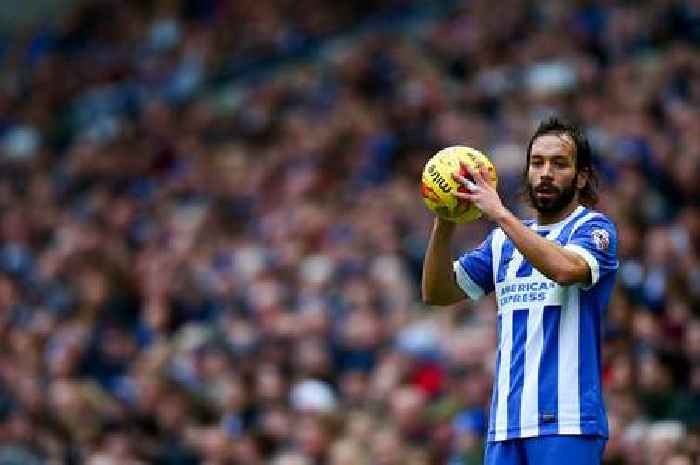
[505,342]
[514,264]
[496,247]
[530,432]
[568,413]
[465,282]
[570,429]
[504,377]
[529,412]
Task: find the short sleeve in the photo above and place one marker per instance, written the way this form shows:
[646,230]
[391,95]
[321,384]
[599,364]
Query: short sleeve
[596,242]
[474,270]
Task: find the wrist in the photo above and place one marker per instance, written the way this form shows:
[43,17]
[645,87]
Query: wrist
[501,215]
[443,227]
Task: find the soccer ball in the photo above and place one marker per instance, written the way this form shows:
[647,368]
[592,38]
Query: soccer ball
[437,184]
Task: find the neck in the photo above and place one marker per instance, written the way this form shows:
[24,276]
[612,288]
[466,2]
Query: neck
[555,217]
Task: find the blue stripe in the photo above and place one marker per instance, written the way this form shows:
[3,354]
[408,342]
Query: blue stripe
[506,256]
[590,397]
[548,387]
[517,372]
[525,268]
[564,234]
[494,397]
[474,278]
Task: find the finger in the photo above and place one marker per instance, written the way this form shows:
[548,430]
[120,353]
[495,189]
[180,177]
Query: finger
[465,196]
[459,178]
[478,177]
[466,182]
[471,172]
[472,187]
[485,173]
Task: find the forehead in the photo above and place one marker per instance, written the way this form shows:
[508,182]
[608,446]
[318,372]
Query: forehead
[552,145]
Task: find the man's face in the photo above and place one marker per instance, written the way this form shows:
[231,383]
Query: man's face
[551,173]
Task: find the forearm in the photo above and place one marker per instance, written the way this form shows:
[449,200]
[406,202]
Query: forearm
[555,262]
[438,282]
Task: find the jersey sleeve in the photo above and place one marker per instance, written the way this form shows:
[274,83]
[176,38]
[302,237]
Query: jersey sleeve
[474,270]
[596,242]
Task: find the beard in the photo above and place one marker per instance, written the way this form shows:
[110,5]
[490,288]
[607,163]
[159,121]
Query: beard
[554,204]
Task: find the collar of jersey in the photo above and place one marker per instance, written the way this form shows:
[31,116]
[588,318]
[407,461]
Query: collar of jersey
[548,227]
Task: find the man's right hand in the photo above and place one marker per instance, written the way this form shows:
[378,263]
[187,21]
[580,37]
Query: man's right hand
[439,286]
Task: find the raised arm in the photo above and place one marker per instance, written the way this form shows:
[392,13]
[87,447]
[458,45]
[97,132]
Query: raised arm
[439,286]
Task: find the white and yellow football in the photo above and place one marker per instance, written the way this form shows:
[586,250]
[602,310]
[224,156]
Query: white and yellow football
[438,185]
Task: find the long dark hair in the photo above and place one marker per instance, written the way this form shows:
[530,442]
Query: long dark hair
[588,194]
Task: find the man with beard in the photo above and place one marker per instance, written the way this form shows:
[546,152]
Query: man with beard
[552,278]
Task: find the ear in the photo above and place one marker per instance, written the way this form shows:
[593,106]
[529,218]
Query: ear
[581,179]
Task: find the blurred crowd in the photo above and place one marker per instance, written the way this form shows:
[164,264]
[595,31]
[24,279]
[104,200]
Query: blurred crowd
[211,233]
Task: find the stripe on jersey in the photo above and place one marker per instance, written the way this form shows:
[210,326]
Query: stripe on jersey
[506,257]
[494,397]
[529,409]
[499,238]
[504,376]
[547,391]
[517,371]
[568,392]
[590,320]
[466,283]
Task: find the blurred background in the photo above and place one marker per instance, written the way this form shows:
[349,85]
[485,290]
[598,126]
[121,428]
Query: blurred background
[211,233]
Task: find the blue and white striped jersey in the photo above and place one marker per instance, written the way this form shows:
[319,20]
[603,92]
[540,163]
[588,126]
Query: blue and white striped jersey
[547,378]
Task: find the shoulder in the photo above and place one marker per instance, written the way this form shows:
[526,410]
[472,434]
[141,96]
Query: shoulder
[596,219]
[597,229]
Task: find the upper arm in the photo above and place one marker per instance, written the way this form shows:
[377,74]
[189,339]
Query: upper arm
[474,270]
[596,243]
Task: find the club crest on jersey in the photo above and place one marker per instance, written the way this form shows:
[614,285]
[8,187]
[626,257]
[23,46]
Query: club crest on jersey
[601,239]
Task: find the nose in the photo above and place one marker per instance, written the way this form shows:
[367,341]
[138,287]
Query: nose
[547,171]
